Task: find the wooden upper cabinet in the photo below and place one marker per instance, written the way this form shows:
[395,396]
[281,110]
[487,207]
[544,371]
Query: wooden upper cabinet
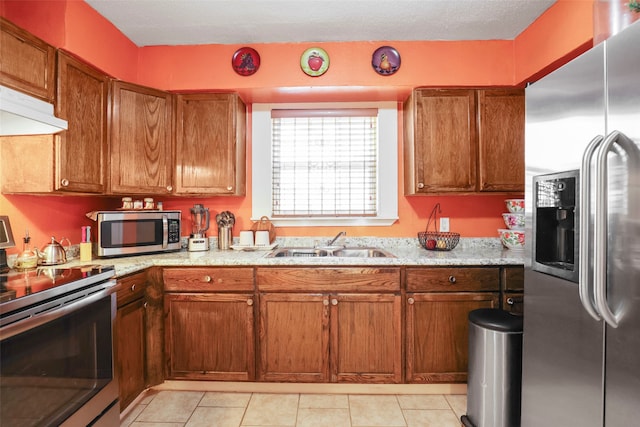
[464,140]
[81,151]
[141,129]
[440,141]
[210,144]
[501,140]
[27,63]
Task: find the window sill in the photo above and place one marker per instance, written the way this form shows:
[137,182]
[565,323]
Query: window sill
[331,222]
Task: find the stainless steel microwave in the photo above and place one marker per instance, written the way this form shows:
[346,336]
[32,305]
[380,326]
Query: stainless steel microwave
[137,232]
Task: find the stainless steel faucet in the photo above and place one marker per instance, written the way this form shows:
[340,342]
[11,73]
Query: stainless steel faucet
[340,234]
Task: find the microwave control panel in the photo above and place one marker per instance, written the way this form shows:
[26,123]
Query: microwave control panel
[174,231]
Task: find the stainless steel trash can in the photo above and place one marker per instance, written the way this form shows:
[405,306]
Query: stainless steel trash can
[494,384]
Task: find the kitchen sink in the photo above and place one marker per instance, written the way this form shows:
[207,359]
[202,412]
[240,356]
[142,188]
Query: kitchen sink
[337,252]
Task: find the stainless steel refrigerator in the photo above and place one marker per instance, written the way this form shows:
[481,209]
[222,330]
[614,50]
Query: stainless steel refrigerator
[581,341]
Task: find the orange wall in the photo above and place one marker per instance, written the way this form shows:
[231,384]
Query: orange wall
[76,27]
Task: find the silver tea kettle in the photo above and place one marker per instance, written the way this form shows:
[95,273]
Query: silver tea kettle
[53,253]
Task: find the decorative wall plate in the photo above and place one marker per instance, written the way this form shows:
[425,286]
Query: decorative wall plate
[245,61]
[314,61]
[385,60]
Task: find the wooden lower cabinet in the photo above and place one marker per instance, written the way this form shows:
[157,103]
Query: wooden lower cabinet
[438,302]
[366,338]
[294,337]
[352,338]
[130,337]
[131,351]
[350,335]
[437,334]
[210,336]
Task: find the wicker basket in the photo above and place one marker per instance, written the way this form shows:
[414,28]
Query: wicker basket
[265,225]
[436,240]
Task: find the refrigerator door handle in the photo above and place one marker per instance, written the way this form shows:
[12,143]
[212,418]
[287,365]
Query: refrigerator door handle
[585,280]
[601,221]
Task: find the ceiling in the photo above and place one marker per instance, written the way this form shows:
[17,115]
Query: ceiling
[189,22]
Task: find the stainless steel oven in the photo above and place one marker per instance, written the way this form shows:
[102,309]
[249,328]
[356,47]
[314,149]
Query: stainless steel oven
[56,331]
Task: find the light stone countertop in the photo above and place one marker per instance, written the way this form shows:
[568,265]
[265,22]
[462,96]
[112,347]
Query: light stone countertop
[407,251]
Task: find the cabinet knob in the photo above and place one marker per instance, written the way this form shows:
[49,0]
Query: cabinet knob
[411,301]
[145,304]
[334,301]
[64,182]
[133,287]
[169,188]
[452,279]
[421,185]
[325,302]
[229,188]
[249,302]
[207,279]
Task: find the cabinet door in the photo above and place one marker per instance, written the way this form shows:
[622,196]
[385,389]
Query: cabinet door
[28,63]
[366,338]
[210,144]
[81,151]
[294,337]
[210,336]
[141,160]
[130,350]
[440,141]
[437,334]
[501,140]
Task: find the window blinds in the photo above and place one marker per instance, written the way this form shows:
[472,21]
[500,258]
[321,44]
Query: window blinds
[324,162]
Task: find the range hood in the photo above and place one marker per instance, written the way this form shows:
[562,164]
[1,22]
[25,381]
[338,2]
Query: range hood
[21,114]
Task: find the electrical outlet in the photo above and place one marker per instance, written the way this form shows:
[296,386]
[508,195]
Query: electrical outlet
[444,224]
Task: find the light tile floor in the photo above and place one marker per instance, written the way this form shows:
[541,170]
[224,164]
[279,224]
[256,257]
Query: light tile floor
[218,409]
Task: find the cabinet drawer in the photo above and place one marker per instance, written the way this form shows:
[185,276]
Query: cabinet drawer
[130,288]
[453,279]
[513,278]
[329,279]
[207,279]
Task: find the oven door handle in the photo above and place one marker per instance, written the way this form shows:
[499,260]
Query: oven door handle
[56,312]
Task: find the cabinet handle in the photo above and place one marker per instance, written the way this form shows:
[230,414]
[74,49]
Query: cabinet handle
[145,304]
[421,185]
[133,287]
[207,279]
[249,302]
[229,188]
[452,279]
[169,188]
[64,182]
[411,301]
[325,302]
[334,301]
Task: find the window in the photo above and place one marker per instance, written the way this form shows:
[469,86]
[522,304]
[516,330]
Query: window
[325,164]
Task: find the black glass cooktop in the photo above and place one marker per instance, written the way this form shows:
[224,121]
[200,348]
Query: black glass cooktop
[47,282]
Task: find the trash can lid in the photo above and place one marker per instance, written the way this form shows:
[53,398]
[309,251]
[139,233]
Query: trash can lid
[496,320]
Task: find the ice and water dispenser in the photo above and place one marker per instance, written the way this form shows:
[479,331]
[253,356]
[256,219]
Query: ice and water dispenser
[555,224]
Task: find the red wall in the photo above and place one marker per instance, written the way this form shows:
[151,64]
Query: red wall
[559,34]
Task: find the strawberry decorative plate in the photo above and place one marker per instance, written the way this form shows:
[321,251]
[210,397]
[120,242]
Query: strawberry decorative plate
[245,61]
[314,61]
[385,60]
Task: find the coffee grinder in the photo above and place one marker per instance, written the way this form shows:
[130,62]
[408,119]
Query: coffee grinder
[200,223]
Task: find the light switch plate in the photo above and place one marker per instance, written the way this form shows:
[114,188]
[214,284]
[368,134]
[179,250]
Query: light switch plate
[444,224]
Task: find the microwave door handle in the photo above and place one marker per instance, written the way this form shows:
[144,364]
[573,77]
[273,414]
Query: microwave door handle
[585,279]
[165,232]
